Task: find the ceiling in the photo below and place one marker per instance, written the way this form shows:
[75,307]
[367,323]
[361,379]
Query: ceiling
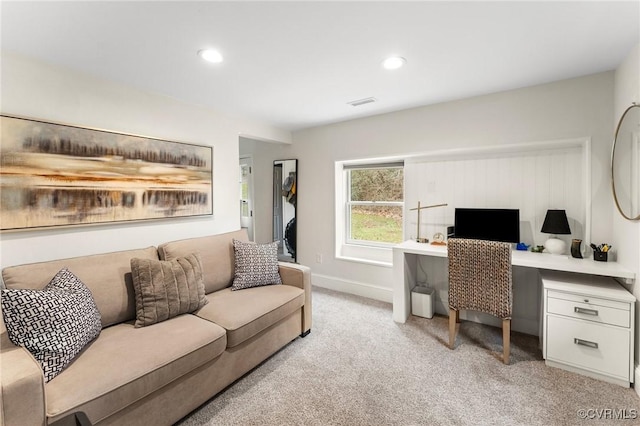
[296,64]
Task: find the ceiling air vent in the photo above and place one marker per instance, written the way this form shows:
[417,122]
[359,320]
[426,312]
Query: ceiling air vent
[361,101]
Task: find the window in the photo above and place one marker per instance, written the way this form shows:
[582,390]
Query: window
[374,204]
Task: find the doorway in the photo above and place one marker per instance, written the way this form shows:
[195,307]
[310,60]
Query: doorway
[246,196]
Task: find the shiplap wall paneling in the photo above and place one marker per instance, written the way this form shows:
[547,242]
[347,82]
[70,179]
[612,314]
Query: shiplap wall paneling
[532,182]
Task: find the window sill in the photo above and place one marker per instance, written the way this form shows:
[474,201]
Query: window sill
[365,261]
[370,255]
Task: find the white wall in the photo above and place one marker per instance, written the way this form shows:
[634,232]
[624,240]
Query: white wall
[37,90]
[626,233]
[574,108]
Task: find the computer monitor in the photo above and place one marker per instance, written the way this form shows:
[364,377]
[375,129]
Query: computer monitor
[488,224]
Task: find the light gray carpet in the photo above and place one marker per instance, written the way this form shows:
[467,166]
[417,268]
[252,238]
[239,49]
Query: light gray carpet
[359,367]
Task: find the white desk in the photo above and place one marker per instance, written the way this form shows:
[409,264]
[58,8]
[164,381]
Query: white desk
[405,263]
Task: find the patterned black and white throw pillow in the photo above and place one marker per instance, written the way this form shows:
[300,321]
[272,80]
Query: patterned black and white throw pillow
[54,323]
[255,265]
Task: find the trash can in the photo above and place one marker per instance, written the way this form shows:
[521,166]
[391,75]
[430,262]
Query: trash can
[422,301]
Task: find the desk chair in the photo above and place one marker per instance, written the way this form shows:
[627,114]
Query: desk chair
[480,280]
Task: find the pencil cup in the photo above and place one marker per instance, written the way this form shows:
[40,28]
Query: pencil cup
[600,256]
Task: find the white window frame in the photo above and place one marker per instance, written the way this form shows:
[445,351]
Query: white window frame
[370,252]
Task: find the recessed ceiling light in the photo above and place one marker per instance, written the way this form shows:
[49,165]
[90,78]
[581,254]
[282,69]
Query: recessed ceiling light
[211,55]
[393,62]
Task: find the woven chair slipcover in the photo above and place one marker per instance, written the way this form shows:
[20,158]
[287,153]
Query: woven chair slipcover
[480,276]
[480,280]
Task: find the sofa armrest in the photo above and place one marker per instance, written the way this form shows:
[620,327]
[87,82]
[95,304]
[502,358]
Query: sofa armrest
[299,276]
[22,396]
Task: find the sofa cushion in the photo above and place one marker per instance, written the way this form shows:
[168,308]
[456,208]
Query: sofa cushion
[167,288]
[125,363]
[108,276]
[54,323]
[216,252]
[255,265]
[246,313]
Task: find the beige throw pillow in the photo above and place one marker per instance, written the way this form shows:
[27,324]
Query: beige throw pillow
[167,288]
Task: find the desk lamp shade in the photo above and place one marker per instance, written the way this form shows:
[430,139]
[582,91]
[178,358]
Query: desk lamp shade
[555,223]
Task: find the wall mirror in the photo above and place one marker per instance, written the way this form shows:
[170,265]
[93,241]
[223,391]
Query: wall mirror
[285,194]
[625,164]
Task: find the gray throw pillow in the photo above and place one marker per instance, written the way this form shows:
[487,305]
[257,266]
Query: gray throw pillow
[167,288]
[255,265]
[54,323]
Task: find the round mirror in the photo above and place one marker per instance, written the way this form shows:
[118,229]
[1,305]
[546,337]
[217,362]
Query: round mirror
[625,163]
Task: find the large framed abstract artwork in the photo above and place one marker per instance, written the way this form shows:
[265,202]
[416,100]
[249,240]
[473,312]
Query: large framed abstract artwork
[59,175]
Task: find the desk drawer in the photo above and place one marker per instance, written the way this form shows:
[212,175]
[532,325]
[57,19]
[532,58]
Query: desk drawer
[598,310]
[588,345]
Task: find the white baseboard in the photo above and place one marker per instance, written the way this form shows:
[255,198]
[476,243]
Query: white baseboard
[353,287]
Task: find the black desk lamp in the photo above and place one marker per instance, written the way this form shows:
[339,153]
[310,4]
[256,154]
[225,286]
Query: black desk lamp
[555,223]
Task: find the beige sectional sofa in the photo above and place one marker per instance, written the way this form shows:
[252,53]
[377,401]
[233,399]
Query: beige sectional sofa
[159,373]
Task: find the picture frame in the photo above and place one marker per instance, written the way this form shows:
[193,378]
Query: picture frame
[55,175]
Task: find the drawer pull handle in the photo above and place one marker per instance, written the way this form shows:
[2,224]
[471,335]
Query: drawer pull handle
[587,343]
[586,311]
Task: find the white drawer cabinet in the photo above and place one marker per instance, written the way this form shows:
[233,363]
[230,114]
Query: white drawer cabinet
[588,326]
